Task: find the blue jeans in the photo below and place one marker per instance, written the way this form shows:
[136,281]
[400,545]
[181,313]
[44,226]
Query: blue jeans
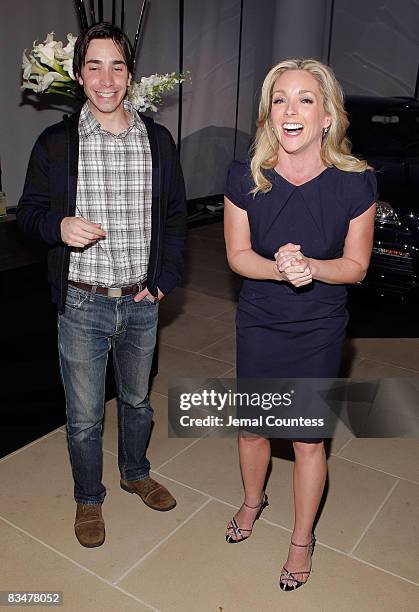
[89,327]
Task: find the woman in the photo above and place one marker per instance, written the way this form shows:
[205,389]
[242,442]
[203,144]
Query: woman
[299,221]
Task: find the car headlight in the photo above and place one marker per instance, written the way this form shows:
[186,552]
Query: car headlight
[385,214]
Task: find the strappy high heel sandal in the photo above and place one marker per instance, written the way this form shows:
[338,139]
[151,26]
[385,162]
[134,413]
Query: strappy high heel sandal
[286,576]
[238,531]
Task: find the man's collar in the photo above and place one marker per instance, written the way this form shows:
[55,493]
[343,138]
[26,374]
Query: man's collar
[88,124]
[135,117]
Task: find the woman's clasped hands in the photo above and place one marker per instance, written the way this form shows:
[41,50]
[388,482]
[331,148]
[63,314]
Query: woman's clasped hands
[292,266]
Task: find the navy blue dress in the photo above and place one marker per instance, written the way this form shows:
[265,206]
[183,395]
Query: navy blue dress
[283,331]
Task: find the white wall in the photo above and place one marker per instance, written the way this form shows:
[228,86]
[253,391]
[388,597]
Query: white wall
[375,49]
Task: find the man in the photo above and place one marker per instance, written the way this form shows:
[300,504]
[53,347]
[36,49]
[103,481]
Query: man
[105,191]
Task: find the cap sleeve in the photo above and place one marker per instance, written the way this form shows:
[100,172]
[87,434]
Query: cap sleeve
[234,185]
[362,191]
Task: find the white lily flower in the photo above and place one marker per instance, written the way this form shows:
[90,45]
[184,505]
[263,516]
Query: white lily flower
[69,48]
[45,54]
[34,85]
[67,64]
[47,80]
[46,51]
[26,65]
[58,50]
[31,66]
[38,83]
[68,51]
[41,82]
[60,77]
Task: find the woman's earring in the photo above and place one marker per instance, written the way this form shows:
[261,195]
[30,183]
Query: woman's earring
[325,130]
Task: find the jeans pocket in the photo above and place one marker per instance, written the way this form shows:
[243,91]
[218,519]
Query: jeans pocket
[148,301]
[75,298]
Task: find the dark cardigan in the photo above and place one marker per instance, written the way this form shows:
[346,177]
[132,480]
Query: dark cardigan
[50,192]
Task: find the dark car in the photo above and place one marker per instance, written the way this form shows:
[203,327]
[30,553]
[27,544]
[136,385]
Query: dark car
[385,131]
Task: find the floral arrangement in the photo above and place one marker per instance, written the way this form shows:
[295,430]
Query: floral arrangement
[48,68]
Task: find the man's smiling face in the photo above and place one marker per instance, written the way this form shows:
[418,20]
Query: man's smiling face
[104,77]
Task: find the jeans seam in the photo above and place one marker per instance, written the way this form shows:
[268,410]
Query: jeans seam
[62,375]
[120,420]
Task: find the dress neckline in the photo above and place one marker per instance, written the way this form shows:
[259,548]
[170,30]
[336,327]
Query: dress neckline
[276,173]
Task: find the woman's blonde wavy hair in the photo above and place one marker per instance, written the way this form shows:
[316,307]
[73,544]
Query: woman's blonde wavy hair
[336,147]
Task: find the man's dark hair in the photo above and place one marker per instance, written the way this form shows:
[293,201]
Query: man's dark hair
[102,30]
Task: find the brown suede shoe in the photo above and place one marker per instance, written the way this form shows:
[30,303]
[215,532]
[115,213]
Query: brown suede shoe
[89,526]
[151,492]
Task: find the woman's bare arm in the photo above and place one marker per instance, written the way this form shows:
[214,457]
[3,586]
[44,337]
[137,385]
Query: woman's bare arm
[241,257]
[353,265]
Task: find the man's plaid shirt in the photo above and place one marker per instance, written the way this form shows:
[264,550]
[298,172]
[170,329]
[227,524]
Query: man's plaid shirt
[114,188]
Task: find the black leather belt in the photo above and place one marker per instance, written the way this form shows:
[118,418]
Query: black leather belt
[108,291]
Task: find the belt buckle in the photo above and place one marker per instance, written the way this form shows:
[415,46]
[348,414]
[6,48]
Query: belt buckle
[114,292]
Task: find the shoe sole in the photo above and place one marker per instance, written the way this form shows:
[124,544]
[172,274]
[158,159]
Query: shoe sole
[90,545]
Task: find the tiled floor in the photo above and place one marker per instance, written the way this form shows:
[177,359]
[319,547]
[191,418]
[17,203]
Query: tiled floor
[367,556]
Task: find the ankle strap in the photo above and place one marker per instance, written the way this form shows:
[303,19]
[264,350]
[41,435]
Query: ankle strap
[304,545]
[300,545]
[254,507]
